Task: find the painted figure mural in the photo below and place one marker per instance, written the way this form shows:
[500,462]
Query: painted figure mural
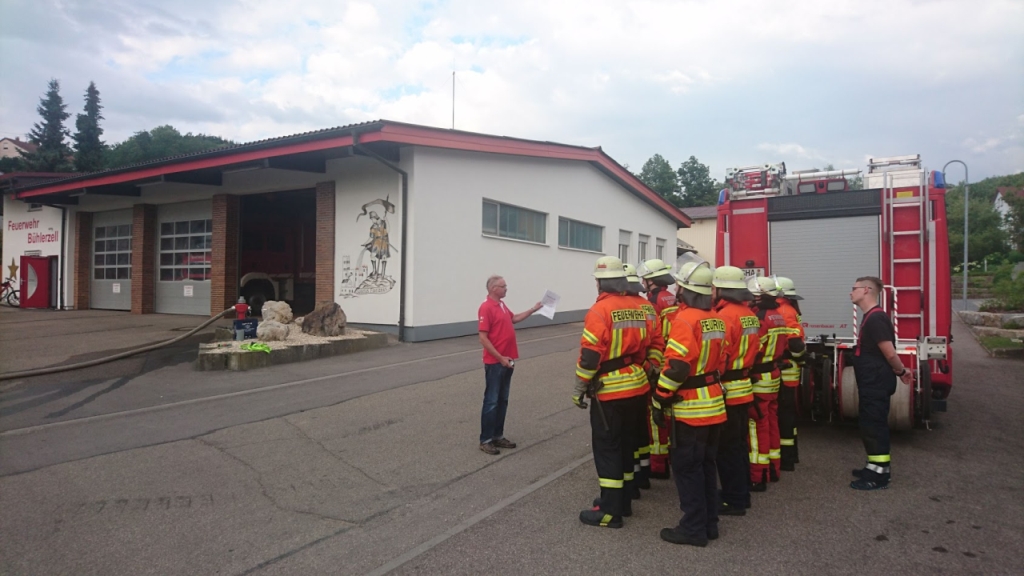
[359,279]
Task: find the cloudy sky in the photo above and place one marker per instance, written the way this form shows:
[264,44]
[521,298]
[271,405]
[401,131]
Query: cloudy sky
[730,82]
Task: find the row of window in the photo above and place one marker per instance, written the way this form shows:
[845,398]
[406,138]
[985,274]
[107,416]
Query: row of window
[506,221]
[185,251]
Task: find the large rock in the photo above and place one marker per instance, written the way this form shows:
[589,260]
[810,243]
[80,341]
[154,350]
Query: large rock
[274,311]
[328,319]
[269,331]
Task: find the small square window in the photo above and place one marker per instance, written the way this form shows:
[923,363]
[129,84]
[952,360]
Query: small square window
[167,244]
[101,232]
[166,274]
[124,273]
[97,274]
[166,228]
[97,260]
[123,231]
[180,228]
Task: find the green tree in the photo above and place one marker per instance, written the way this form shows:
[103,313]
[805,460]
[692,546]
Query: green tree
[13,164]
[1014,220]
[987,236]
[52,154]
[699,188]
[160,142]
[659,176]
[89,148]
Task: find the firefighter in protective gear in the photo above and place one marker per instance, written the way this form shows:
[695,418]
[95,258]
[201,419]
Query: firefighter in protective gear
[657,277]
[765,452]
[690,390]
[652,366]
[792,363]
[610,371]
[742,334]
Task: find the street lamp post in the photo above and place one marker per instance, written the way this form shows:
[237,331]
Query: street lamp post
[967,190]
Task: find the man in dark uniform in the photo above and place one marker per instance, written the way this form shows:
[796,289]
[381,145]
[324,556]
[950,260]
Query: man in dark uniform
[876,366]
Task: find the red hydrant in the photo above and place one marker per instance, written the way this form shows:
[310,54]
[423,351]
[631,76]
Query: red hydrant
[241,309]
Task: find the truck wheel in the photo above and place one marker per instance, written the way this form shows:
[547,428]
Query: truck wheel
[256,294]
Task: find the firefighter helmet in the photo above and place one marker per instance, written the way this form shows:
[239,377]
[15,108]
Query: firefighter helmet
[609,267]
[787,288]
[729,277]
[763,285]
[631,274]
[695,278]
[653,268]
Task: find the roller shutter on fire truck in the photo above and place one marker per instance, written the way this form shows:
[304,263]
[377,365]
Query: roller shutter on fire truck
[825,278]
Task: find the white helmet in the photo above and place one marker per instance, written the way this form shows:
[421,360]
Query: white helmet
[763,285]
[609,267]
[788,289]
[695,278]
[729,277]
[653,268]
[631,275]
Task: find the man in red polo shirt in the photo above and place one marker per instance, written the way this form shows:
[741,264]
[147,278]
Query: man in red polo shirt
[498,338]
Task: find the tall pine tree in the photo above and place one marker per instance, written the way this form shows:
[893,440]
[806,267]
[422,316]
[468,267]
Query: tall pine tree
[89,149]
[52,154]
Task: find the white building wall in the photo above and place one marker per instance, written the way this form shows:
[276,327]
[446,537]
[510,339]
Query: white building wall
[701,235]
[453,258]
[32,231]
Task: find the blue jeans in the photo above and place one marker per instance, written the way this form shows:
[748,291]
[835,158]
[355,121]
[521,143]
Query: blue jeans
[492,418]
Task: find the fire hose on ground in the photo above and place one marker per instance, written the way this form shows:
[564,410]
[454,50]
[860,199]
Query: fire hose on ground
[119,356]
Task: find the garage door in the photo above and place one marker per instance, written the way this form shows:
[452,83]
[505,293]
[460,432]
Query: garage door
[111,285]
[824,257]
[183,258]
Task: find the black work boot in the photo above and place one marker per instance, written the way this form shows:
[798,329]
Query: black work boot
[724,509]
[773,476]
[596,517]
[761,486]
[675,536]
[788,467]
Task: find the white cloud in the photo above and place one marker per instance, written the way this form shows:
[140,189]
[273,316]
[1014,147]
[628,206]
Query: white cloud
[711,79]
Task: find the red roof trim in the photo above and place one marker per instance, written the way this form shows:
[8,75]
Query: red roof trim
[394,133]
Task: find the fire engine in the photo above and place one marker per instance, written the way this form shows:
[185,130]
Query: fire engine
[811,227]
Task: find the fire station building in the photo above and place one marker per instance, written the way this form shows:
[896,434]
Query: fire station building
[399,224]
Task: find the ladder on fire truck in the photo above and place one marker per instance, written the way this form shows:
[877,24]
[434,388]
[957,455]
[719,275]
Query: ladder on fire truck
[904,227]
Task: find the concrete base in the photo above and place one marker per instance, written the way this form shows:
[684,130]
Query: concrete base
[210,358]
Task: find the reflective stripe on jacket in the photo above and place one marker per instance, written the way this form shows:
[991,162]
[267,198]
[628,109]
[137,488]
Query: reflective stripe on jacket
[774,336]
[616,327]
[697,337]
[791,375]
[742,334]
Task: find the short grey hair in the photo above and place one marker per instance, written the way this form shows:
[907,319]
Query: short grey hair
[492,280]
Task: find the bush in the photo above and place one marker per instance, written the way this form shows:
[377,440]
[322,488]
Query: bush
[1009,293]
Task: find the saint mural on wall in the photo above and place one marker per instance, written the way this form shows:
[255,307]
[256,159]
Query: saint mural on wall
[371,277]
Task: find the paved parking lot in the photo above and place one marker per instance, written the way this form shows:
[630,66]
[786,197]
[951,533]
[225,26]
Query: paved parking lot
[368,465]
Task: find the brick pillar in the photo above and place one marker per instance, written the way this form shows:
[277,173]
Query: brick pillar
[325,193]
[143,258]
[224,253]
[83,259]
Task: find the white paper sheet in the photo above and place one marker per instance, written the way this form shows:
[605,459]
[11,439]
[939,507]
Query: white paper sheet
[548,304]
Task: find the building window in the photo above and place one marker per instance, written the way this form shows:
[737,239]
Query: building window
[660,249]
[641,248]
[185,250]
[112,252]
[507,221]
[580,235]
[35,207]
[625,237]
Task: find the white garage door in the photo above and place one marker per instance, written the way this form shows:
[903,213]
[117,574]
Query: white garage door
[111,284]
[824,257]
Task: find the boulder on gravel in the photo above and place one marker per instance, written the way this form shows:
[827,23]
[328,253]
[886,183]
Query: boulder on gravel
[269,331]
[275,311]
[327,319]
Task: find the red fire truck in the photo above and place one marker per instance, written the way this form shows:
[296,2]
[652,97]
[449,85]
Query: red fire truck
[811,227]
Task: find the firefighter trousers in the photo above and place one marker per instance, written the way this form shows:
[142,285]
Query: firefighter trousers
[659,446]
[615,448]
[874,428]
[693,465]
[733,462]
[764,436]
[790,454]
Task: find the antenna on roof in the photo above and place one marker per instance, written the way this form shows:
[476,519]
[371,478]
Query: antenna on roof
[453,99]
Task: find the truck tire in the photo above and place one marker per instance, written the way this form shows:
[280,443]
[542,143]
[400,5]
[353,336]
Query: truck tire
[256,294]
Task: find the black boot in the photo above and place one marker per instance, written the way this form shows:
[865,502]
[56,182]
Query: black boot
[675,536]
[627,511]
[761,486]
[596,517]
[726,510]
[773,476]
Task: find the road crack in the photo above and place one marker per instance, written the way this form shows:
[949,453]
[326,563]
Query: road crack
[337,456]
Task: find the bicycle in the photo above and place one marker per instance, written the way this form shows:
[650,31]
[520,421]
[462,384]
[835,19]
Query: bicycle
[10,294]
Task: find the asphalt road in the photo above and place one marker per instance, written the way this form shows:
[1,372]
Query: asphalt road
[368,464]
